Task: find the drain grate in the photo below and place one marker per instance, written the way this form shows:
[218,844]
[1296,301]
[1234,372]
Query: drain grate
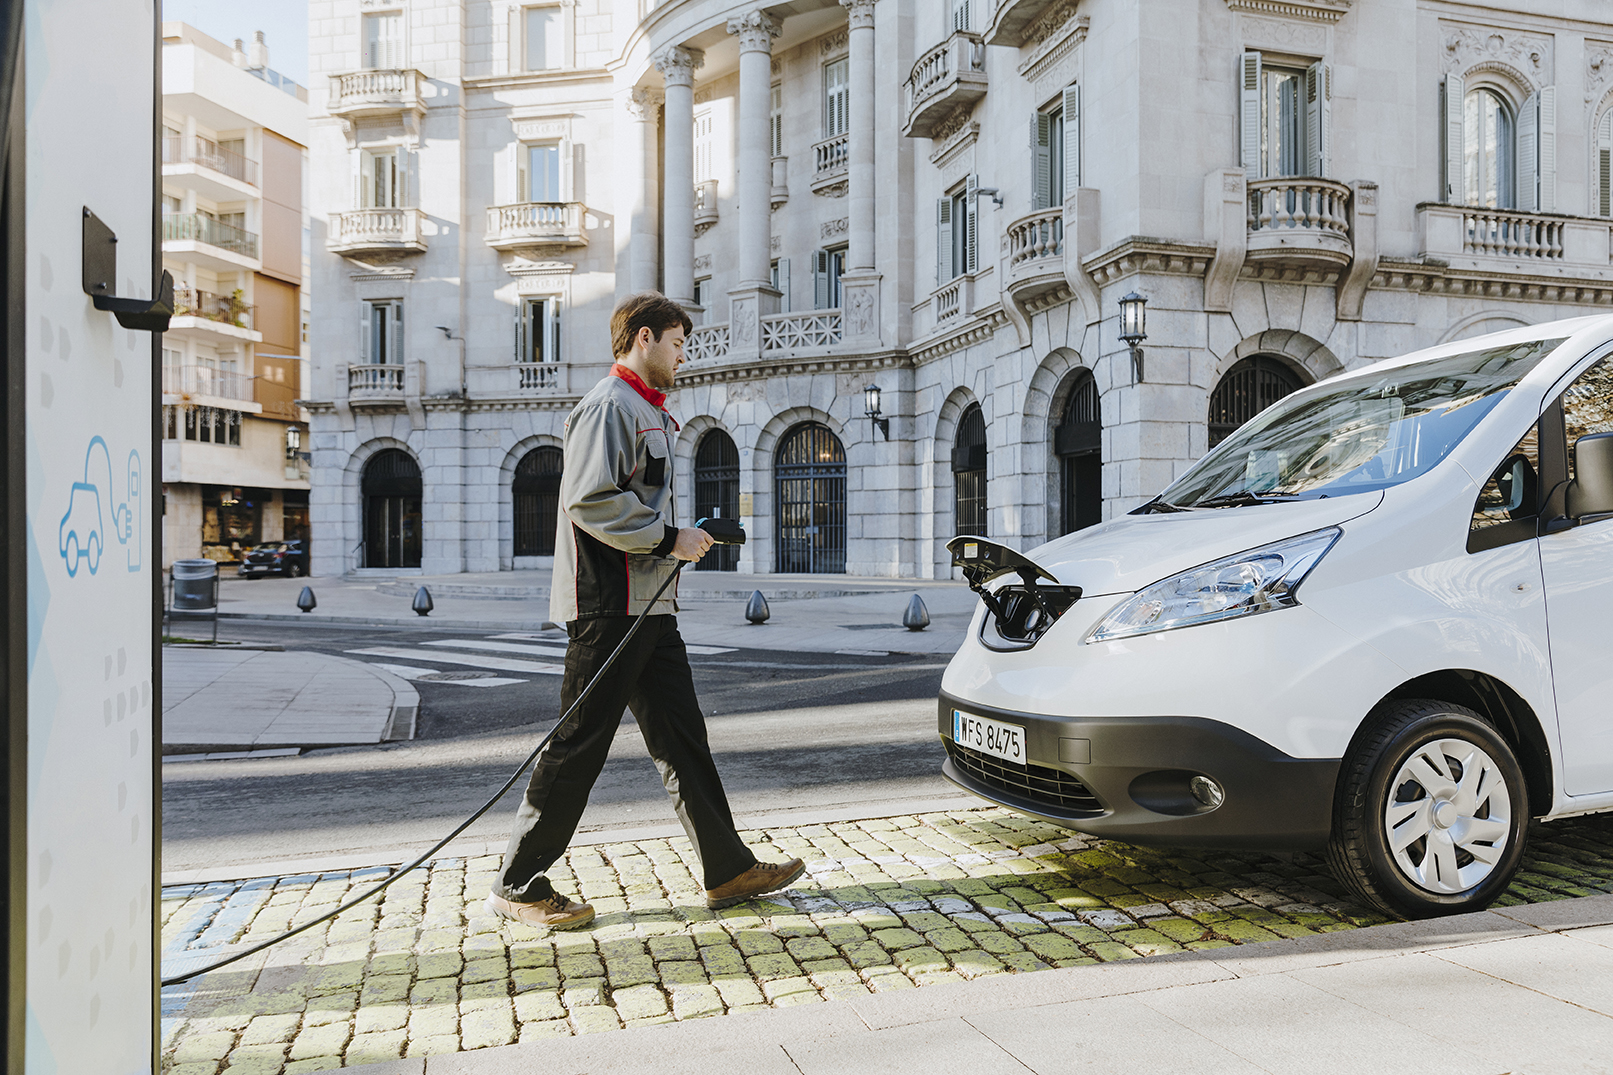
[452,676]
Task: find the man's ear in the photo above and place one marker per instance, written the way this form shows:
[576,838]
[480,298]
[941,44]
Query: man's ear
[645,337]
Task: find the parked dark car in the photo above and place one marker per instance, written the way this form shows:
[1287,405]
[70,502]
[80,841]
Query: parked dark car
[289,558]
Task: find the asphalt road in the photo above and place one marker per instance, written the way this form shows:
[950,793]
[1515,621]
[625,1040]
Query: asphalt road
[792,732]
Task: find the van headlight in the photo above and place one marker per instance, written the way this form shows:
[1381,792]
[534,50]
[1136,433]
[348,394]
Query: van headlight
[1259,580]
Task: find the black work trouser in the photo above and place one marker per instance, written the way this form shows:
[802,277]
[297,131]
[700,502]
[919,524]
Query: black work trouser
[651,678]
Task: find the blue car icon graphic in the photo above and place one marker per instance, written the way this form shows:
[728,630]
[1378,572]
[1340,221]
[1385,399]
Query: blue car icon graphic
[81,529]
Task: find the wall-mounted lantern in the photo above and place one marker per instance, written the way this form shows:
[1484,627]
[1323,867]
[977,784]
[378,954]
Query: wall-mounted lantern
[871,408]
[1134,330]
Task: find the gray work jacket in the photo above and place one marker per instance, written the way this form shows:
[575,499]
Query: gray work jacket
[617,521]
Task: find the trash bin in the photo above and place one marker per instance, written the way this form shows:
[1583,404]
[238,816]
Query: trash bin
[195,585]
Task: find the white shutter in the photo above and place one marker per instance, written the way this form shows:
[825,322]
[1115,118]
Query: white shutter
[1528,170]
[400,179]
[1318,118]
[1249,112]
[523,172]
[971,225]
[1603,205]
[1041,160]
[503,175]
[520,330]
[1548,150]
[784,284]
[820,279]
[366,346]
[1455,156]
[1072,138]
[943,241]
[366,180]
[395,342]
[552,308]
[517,50]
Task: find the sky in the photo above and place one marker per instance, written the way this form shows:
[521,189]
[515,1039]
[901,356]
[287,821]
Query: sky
[284,24]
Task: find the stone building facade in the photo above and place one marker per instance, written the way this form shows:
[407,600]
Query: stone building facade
[943,200]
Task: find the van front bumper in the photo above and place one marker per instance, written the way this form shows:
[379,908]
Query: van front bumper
[1128,778]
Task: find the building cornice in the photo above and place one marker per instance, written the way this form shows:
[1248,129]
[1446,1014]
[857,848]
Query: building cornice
[759,369]
[977,328]
[1139,253]
[579,76]
[1328,11]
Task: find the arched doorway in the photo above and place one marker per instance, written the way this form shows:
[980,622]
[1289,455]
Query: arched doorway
[716,493]
[1248,388]
[536,495]
[392,491]
[1078,443]
[969,473]
[809,481]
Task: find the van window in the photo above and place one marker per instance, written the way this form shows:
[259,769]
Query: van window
[1588,405]
[1511,493]
[1371,434]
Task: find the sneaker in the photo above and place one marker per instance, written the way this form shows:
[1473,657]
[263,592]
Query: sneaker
[759,879]
[556,912]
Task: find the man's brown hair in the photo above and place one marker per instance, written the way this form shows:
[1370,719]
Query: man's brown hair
[647,309]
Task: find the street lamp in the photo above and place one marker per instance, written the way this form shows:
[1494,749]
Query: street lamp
[872,410]
[1133,330]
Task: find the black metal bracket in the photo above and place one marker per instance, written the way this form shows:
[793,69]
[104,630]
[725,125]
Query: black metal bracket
[100,273]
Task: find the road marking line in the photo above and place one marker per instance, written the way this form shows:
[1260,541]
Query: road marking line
[411,672]
[555,650]
[501,664]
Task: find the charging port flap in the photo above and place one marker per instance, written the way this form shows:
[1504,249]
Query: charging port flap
[1020,613]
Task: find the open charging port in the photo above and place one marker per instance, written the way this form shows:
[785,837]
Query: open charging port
[1020,613]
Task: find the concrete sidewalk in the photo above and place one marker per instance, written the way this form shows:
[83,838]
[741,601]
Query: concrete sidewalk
[297,699]
[811,613]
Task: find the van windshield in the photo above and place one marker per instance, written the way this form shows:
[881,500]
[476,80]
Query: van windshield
[1374,433]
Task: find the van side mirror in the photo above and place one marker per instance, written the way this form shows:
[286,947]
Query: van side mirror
[1591,491]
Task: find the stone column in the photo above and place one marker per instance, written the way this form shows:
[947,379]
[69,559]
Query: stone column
[637,255]
[755,296]
[859,287]
[677,66]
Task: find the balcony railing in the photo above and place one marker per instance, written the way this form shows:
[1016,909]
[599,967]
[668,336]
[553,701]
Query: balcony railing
[706,342]
[801,332]
[536,224]
[206,153]
[949,300]
[375,93]
[830,158]
[206,381]
[381,380]
[375,231]
[1299,219]
[194,227]
[1509,234]
[950,75]
[225,309]
[540,377]
[1038,238]
[705,206]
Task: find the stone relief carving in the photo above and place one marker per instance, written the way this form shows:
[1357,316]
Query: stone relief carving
[678,64]
[702,263]
[1299,36]
[543,128]
[1050,23]
[830,229]
[744,327]
[642,104]
[860,311]
[838,41]
[703,95]
[859,13]
[1467,47]
[1598,69]
[755,30]
[774,244]
[1324,11]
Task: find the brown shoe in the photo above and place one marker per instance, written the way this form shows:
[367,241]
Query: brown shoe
[760,878]
[556,912]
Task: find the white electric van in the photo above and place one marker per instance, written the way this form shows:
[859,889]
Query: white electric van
[1376,619]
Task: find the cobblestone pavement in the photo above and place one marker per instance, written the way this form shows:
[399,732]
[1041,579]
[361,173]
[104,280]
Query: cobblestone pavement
[888,904]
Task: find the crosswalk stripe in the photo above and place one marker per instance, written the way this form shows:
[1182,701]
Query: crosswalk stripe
[500,664]
[499,647]
[698,651]
[411,672]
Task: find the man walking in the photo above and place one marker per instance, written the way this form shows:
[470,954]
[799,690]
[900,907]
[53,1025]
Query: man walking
[614,547]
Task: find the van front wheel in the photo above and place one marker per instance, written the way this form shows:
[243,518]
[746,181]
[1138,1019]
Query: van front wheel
[1431,813]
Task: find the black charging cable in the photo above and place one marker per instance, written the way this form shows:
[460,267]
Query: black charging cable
[723,532]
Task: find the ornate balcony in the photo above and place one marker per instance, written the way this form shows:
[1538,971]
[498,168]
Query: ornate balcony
[830,158]
[375,383]
[527,224]
[1299,220]
[541,377]
[381,92]
[706,342]
[948,77]
[813,332]
[1503,240]
[1036,254]
[376,231]
[1013,21]
[705,206]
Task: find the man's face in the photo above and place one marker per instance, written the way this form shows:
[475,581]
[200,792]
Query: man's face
[663,356]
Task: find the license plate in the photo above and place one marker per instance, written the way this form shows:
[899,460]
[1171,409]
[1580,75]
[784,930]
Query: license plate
[1005,741]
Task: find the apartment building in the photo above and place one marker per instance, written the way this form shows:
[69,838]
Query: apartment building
[906,229]
[234,158]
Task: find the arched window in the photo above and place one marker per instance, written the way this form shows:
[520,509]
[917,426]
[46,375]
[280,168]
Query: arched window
[1489,146]
[809,480]
[392,491]
[716,493]
[969,473]
[536,495]
[1078,442]
[1248,388]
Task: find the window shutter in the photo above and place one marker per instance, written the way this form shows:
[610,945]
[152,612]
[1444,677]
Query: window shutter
[943,241]
[1041,160]
[1318,118]
[1249,112]
[523,172]
[820,279]
[1072,138]
[520,331]
[1603,204]
[366,180]
[1528,181]
[400,181]
[552,307]
[971,224]
[366,345]
[784,283]
[1548,149]
[516,57]
[1455,160]
[395,344]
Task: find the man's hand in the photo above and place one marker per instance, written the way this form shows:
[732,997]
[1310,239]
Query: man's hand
[691,544]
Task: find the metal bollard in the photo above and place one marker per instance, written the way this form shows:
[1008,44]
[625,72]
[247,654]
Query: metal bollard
[917,617]
[422,602]
[756,610]
[306,600]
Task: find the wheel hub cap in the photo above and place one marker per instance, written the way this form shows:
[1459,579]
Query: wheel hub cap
[1449,816]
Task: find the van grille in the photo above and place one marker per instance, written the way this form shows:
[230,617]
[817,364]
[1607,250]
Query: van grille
[1039,784]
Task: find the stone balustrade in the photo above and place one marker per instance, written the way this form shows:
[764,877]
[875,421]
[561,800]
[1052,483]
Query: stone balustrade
[706,342]
[1548,244]
[375,380]
[523,224]
[360,231]
[948,76]
[540,377]
[375,93]
[1299,220]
